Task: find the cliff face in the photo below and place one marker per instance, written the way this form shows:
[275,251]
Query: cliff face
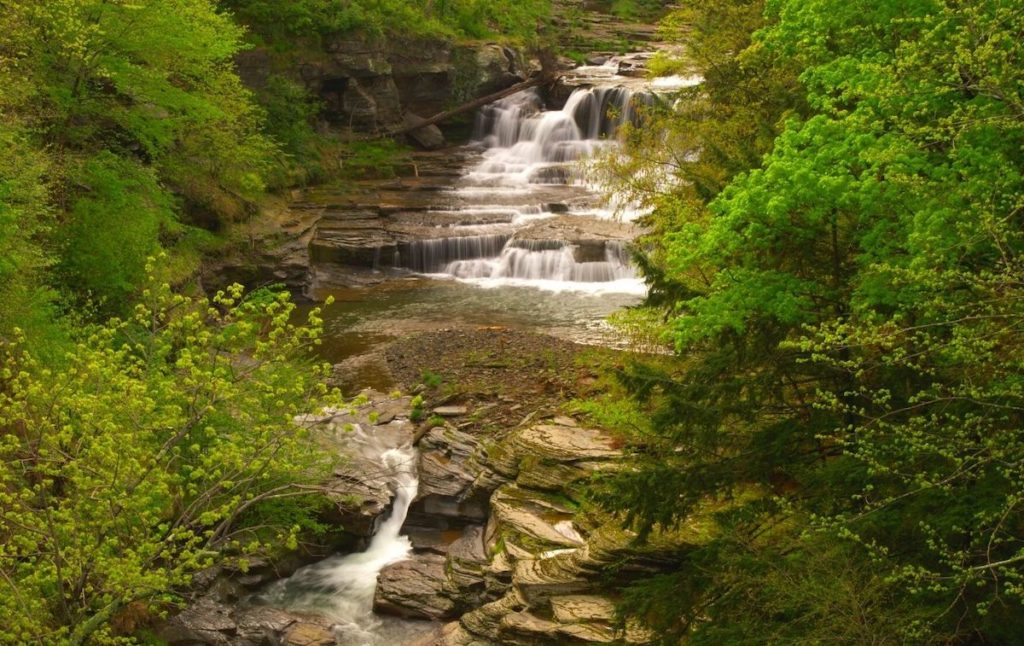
[529,567]
[369,85]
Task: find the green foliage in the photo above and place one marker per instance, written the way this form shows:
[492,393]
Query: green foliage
[142,80]
[130,469]
[638,9]
[374,159]
[431,379]
[263,520]
[417,413]
[114,227]
[130,114]
[279,21]
[25,216]
[290,114]
[840,261]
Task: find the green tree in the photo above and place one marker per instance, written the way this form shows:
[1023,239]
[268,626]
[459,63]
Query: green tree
[131,468]
[690,146]
[847,316]
[130,107]
[315,19]
[25,217]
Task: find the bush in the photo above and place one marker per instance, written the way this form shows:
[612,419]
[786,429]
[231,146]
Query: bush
[128,469]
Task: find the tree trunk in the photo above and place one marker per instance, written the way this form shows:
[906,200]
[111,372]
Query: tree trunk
[541,79]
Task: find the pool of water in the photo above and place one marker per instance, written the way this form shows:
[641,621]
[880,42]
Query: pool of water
[361,320]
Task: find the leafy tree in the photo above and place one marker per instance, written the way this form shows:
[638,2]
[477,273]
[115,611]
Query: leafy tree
[314,19]
[130,107]
[846,319]
[130,469]
[691,146]
[25,216]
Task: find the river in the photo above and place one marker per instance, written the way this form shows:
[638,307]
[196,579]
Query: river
[517,239]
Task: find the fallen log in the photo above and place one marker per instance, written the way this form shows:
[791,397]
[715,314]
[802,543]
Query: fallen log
[541,79]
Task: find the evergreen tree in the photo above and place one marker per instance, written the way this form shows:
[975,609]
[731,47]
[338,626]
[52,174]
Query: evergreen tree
[846,318]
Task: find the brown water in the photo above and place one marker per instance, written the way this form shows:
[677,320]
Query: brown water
[364,320]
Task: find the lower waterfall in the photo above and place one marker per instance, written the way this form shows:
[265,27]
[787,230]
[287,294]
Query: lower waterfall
[541,260]
[342,587]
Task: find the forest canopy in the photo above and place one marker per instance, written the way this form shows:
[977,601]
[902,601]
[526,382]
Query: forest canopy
[836,253]
[833,256]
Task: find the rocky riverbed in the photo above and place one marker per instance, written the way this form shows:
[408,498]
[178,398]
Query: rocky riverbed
[502,547]
[468,281]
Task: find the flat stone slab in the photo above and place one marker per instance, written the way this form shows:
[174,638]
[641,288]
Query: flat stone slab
[577,608]
[568,443]
[413,588]
[451,411]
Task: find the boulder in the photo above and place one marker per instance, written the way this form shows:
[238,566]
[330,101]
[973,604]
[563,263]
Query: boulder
[427,137]
[449,468]
[446,468]
[308,634]
[540,518]
[262,624]
[205,622]
[413,588]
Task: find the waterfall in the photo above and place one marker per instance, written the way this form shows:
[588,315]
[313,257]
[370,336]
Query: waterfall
[527,150]
[551,260]
[526,144]
[342,587]
[433,255]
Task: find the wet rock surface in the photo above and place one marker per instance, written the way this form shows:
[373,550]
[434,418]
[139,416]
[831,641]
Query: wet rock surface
[420,223]
[220,611]
[210,622]
[358,489]
[414,589]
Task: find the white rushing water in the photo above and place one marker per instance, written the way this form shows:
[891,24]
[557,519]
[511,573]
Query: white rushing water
[342,587]
[532,153]
[527,145]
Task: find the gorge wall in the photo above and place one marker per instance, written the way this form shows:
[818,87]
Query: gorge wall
[370,85]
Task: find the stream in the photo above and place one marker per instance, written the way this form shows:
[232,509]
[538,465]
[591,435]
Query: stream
[516,239]
[341,587]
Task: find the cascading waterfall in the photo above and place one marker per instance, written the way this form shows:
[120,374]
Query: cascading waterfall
[342,587]
[529,145]
[529,260]
[433,255]
[528,148]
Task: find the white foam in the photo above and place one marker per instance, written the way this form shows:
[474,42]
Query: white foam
[675,82]
[342,587]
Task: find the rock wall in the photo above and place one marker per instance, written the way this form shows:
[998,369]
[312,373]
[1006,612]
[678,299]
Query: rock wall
[534,569]
[370,85]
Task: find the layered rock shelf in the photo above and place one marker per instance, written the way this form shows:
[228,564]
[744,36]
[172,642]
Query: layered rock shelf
[533,573]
